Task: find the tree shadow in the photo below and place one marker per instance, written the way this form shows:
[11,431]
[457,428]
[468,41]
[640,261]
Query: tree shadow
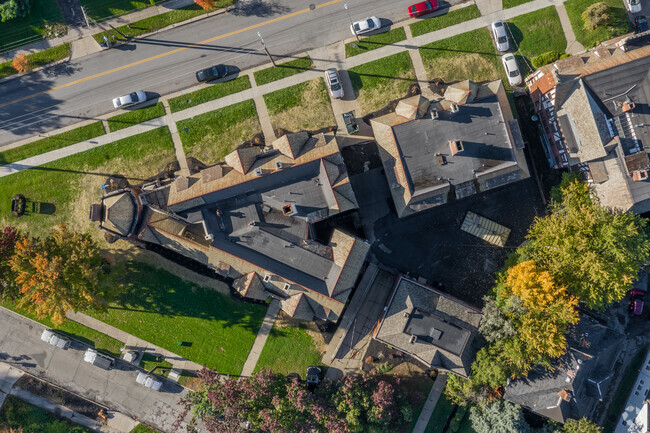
[259,8]
[61,69]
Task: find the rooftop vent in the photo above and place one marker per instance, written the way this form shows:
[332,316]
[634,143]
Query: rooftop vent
[289,209]
[258,171]
[413,339]
[441,159]
[454,107]
[456,146]
[278,165]
[640,175]
[434,113]
[286,287]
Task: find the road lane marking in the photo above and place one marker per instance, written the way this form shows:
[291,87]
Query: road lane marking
[177,50]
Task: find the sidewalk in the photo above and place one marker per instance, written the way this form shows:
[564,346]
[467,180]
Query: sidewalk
[260,340]
[430,404]
[8,376]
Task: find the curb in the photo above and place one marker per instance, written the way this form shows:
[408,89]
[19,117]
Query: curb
[40,68]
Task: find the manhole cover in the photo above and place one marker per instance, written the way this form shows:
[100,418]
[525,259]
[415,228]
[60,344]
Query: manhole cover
[312,6]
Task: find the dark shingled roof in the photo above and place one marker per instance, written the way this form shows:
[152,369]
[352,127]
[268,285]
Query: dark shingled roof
[120,213]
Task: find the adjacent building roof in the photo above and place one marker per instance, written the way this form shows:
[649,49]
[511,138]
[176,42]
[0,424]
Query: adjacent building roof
[485,229]
[635,416]
[435,328]
[577,380]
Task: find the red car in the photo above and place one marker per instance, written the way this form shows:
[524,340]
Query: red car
[423,8]
[636,302]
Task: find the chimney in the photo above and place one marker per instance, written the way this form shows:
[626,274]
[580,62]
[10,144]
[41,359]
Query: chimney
[289,209]
[627,105]
[441,159]
[434,113]
[96,212]
[258,171]
[413,339]
[565,394]
[456,146]
[454,107]
[640,175]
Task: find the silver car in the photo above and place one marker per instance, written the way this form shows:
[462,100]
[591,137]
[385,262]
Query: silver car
[334,83]
[130,99]
[500,35]
[512,69]
[365,26]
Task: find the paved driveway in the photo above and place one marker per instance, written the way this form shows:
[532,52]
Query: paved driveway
[21,347]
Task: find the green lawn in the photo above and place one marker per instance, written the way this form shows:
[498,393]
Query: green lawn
[148,362]
[289,350]
[15,413]
[66,188]
[619,24]
[52,143]
[466,56]
[623,391]
[134,117]
[440,415]
[21,31]
[303,107]
[537,33]
[39,59]
[155,22]
[283,70]
[194,322]
[211,136]
[213,91]
[379,82]
[507,4]
[451,18]
[376,41]
[141,428]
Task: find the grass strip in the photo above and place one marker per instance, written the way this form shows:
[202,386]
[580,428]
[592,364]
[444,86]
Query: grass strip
[284,99]
[141,428]
[283,70]
[22,31]
[211,136]
[378,82]
[440,415]
[288,350]
[39,59]
[52,143]
[21,416]
[618,24]
[507,4]
[134,117]
[149,361]
[451,18]
[376,41]
[101,10]
[209,93]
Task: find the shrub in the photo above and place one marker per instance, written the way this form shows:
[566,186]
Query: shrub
[208,5]
[596,15]
[454,425]
[545,59]
[21,63]
[13,8]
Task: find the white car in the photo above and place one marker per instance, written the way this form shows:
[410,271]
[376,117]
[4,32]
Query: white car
[500,35]
[512,69]
[634,6]
[334,83]
[365,26]
[55,339]
[130,99]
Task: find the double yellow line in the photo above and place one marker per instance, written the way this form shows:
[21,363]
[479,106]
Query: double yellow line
[169,53]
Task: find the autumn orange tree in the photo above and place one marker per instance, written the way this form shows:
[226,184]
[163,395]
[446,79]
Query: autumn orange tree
[57,274]
[21,63]
[208,5]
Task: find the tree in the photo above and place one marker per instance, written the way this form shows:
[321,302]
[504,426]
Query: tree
[594,251]
[8,237]
[21,63]
[8,10]
[595,15]
[57,274]
[494,325]
[582,425]
[208,5]
[499,416]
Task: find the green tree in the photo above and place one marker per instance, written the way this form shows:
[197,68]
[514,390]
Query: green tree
[499,416]
[8,10]
[595,251]
[58,273]
[582,425]
[494,325]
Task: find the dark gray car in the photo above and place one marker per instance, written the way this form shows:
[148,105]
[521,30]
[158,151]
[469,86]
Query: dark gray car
[213,73]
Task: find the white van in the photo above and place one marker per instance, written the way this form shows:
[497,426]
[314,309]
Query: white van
[100,360]
[55,339]
[148,381]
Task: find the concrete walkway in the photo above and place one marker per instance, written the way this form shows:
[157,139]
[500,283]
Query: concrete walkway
[572,45]
[430,404]
[176,139]
[262,113]
[132,342]
[260,340]
[8,376]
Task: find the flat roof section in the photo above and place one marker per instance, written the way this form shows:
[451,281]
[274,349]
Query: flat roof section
[429,328]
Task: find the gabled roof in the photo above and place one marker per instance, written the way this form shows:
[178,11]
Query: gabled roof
[120,213]
[250,286]
[291,144]
[297,306]
[241,159]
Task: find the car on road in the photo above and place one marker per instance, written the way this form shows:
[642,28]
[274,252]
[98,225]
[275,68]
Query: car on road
[500,35]
[365,26]
[640,24]
[634,6]
[333,82]
[636,302]
[423,8]
[55,339]
[148,381]
[512,69]
[130,99]
[214,73]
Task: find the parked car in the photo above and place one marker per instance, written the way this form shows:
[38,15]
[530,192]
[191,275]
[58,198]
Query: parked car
[214,73]
[149,381]
[55,339]
[334,83]
[100,360]
[512,69]
[640,24]
[634,6]
[365,26]
[636,302]
[423,8]
[500,35]
[130,99]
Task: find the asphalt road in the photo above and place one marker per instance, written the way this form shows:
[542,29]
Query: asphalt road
[146,64]
[21,347]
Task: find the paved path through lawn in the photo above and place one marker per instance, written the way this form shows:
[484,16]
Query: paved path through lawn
[260,340]
[176,139]
[256,92]
[430,404]
[572,45]
[133,342]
